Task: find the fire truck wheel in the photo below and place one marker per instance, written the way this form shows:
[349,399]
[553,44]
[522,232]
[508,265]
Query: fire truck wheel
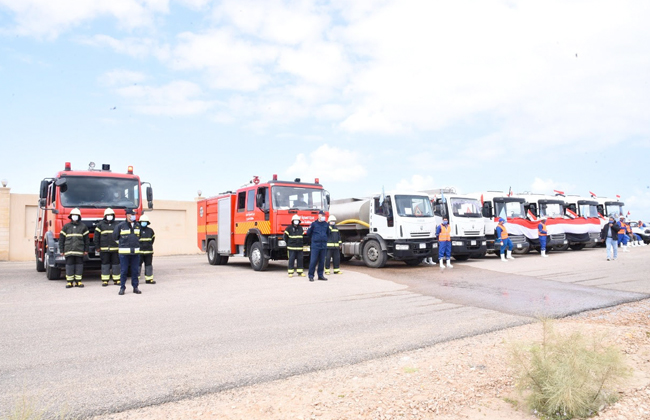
[258,261]
[40,265]
[51,271]
[213,256]
[373,255]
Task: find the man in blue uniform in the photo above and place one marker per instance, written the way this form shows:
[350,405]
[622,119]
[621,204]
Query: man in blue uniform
[543,234]
[504,240]
[443,232]
[318,232]
[127,235]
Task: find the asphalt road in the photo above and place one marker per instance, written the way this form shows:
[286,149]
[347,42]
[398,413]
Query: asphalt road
[207,328]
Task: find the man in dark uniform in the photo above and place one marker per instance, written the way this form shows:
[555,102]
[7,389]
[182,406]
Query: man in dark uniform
[106,246]
[127,235]
[333,247]
[74,243]
[318,232]
[294,237]
[147,238]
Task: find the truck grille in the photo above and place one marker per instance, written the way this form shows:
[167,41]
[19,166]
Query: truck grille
[558,237]
[594,235]
[420,234]
[472,233]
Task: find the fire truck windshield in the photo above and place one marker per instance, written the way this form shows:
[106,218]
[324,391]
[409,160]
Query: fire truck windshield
[100,192]
[413,206]
[285,197]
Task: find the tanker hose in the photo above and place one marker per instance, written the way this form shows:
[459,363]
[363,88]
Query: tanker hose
[357,221]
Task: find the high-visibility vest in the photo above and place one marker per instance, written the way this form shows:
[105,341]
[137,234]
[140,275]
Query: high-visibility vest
[504,232]
[543,228]
[445,233]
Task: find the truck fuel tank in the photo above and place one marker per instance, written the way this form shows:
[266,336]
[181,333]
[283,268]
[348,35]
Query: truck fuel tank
[353,208]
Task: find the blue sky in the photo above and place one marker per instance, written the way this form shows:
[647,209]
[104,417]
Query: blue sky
[202,95]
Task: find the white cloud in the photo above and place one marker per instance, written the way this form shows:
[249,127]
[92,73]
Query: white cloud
[416,183]
[134,47]
[47,18]
[175,98]
[330,164]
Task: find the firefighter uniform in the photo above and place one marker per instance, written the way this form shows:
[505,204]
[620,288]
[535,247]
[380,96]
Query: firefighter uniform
[74,242]
[318,232]
[127,235]
[294,237]
[147,238]
[107,247]
[504,240]
[543,235]
[333,248]
[443,232]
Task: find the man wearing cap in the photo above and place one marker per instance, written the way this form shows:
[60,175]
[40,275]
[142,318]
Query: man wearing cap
[609,234]
[506,242]
[74,243]
[543,234]
[127,235]
[318,232]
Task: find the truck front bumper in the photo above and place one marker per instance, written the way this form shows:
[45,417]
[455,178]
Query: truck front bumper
[411,250]
[468,245]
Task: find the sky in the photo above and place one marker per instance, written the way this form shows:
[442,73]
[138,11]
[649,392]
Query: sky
[364,95]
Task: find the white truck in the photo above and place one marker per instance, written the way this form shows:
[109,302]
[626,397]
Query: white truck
[399,225]
[497,204]
[553,207]
[465,219]
[609,207]
[585,208]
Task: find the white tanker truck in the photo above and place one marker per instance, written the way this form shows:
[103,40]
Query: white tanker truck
[399,225]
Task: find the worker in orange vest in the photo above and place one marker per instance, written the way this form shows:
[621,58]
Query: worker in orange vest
[504,240]
[443,232]
[543,234]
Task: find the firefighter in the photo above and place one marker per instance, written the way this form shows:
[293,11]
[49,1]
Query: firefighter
[74,243]
[443,232]
[333,247]
[318,233]
[543,234]
[622,234]
[127,235]
[504,240]
[106,247]
[147,238]
[294,237]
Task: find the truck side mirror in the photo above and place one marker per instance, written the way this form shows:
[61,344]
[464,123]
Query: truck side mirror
[42,202]
[259,200]
[43,190]
[150,198]
[62,183]
[327,199]
[487,209]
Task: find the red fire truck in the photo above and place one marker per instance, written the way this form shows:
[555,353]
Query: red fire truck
[92,191]
[251,221]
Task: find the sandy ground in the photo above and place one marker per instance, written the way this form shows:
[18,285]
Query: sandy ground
[462,379]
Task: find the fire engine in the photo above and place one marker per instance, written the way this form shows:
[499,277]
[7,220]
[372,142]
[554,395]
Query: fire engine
[92,191]
[250,222]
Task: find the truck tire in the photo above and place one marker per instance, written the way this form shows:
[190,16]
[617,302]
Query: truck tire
[577,247]
[258,260]
[413,262]
[213,255]
[52,272]
[461,257]
[373,255]
[561,247]
[222,260]
[40,265]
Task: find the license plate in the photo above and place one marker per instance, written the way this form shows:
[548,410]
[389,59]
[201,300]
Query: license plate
[423,246]
[305,248]
[595,240]
[518,245]
[473,242]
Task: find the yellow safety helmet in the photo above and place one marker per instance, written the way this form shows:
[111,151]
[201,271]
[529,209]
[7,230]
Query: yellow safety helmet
[332,218]
[144,218]
[109,211]
[74,211]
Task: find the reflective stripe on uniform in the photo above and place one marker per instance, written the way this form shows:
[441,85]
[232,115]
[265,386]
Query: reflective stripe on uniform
[128,250]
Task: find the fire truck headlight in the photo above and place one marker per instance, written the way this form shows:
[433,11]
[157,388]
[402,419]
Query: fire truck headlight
[484,243]
[282,243]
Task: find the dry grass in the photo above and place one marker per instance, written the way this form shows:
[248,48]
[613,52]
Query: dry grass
[568,376]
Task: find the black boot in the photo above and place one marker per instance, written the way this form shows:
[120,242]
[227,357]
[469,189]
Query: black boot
[137,291]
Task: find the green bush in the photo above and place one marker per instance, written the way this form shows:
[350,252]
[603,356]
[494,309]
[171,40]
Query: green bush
[567,376]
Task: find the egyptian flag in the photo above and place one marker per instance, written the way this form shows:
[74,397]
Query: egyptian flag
[531,216]
[571,214]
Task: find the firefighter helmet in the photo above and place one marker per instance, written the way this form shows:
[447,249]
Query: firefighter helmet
[74,211]
[144,218]
[332,218]
[109,211]
[295,217]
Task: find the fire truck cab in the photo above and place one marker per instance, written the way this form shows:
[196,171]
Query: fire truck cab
[92,191]
[250,222]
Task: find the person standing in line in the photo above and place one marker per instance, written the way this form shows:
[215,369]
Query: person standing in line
[543,235]
[294,236]
[609,234]
[443,232]
[74,242]
[106,247]
[147,238]
[506,242]
[333,247]
[622,234]
[639,239]
[127,235]
[318,233]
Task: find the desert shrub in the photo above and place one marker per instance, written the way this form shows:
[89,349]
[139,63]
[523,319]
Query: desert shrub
[567,376]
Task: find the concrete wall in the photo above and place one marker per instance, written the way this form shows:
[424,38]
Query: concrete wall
[173,221]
